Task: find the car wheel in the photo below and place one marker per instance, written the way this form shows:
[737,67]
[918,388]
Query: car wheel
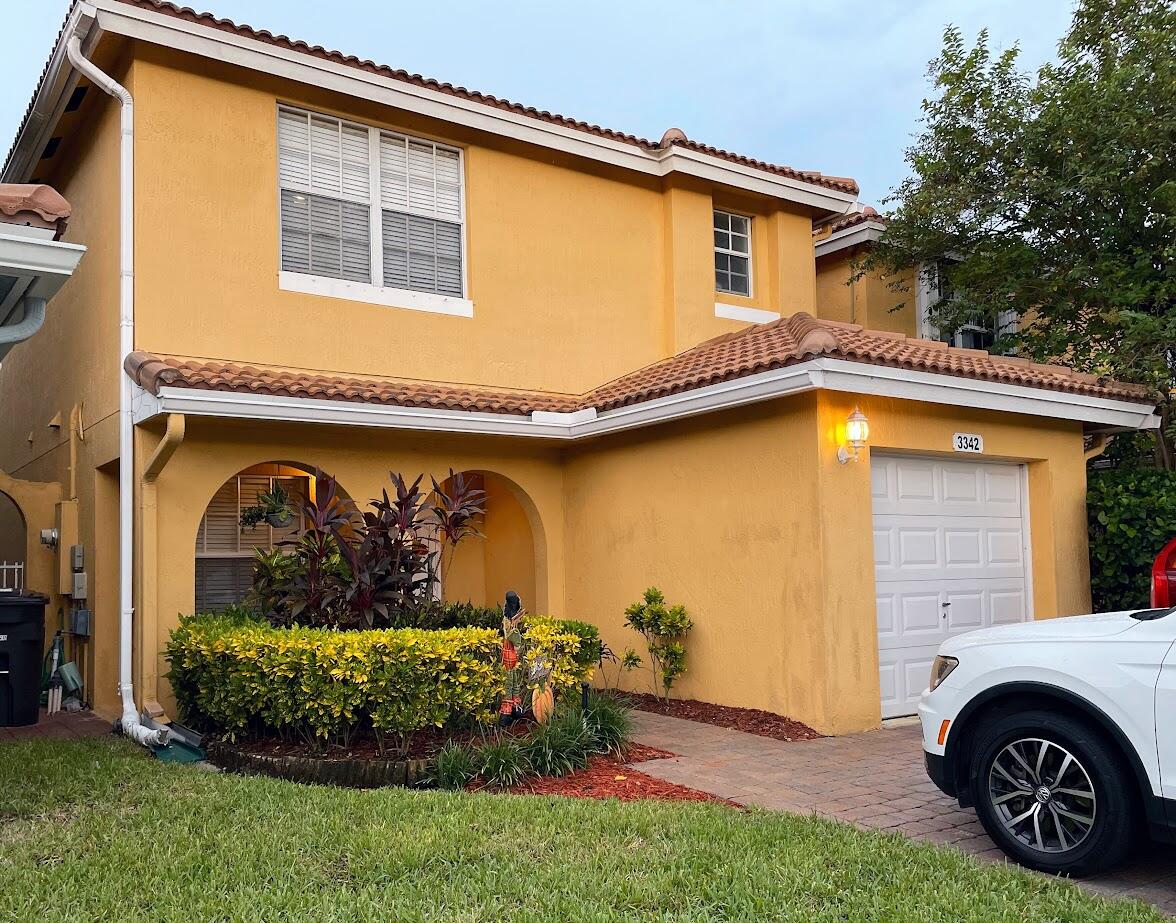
[1053,793]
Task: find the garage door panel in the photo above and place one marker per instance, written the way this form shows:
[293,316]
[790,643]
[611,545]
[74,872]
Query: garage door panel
[949,556]
[940,547]
[886,624]
[918,547]
[1009,606]
[965,611]
[961,485]
[917,486]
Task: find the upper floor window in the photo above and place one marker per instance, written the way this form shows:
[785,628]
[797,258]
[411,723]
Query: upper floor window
[976,332]
[732,253]
[367,205]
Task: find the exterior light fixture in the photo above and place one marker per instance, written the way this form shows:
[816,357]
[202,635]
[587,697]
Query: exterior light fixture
[857,433]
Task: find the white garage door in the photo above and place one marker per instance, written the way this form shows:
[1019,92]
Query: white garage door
[950,556]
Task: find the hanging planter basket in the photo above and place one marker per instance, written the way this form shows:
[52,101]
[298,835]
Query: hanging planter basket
[279,520]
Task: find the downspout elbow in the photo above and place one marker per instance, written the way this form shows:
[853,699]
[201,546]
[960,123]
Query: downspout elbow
[34,319]
[106,83]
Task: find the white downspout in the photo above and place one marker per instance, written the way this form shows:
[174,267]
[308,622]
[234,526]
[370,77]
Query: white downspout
[131,725]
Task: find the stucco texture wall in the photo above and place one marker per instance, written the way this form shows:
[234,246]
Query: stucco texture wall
[744,516]
[360,460]
[70,370]
[561,252]
[868,301]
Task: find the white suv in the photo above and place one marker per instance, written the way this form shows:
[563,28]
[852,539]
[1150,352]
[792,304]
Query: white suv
[1061,733]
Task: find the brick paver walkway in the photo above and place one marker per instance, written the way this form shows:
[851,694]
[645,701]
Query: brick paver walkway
[65,725]
[874,780]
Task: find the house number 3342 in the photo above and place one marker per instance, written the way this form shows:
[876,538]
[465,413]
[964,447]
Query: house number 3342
[967,442]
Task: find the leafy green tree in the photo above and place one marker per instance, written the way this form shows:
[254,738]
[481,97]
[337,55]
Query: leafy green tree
[1054,195]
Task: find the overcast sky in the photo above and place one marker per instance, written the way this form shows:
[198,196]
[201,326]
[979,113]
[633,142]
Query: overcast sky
[831,85]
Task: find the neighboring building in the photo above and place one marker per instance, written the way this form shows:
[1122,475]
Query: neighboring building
[875,301]
[341,265]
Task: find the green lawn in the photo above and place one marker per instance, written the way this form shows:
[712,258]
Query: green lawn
[96,830]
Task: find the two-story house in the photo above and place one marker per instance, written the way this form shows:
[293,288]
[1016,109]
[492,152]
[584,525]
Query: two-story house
[298,259]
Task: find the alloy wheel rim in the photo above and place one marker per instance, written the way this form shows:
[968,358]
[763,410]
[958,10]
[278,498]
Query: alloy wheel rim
[1042,795]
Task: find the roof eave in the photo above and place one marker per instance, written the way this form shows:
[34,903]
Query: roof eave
[1095,413]
[91,18]
[866,232]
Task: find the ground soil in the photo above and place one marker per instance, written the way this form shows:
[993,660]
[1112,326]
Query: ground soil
[748,720]
[609,777]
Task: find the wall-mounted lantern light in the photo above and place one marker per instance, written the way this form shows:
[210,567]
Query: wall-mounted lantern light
[857,433]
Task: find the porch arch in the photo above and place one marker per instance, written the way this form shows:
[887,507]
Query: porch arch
[13,544]
[512,555]
[225,550]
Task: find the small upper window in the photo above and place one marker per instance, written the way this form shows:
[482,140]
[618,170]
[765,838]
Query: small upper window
[732,253]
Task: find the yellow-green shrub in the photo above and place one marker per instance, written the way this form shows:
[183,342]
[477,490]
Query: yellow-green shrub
[239,676]
[557,642]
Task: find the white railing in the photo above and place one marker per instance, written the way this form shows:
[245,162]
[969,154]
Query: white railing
[11,576]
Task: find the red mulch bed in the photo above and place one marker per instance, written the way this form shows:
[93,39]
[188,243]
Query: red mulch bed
[748,720]
[609,777]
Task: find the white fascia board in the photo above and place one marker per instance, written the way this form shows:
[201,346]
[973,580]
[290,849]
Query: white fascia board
[194,38]
[868,232]
[49,262]
[750,315]
[543,425]
[863,378]
[831,374]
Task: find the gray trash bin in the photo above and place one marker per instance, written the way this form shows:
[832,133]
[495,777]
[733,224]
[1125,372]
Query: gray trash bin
[22,650]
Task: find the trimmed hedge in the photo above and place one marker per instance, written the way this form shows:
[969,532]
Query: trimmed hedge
[242,677]
[1132,515]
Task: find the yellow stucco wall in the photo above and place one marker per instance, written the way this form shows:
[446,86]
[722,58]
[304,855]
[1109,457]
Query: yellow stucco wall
[503,558]
[767,540]
[360,460]
[869,301]
[560,252]
[71,367]
[743,516]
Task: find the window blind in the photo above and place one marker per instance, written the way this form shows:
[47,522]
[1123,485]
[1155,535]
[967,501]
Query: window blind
[328,176]
[224,551]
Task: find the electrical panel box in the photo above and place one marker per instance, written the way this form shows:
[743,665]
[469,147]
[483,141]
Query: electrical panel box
[67,536]
[79,622]
[77,558]
[80,586]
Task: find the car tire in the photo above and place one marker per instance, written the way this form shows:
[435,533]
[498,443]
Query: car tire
[1053,793]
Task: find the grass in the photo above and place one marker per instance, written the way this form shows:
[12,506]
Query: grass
[95,830]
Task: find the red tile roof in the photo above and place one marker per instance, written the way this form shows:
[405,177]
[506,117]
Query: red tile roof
[678,139]
[762,348]
[33,204]
[155,372]
[869,213]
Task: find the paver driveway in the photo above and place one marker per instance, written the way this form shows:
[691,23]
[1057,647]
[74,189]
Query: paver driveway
[874,780]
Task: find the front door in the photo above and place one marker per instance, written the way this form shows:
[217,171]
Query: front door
[950,556]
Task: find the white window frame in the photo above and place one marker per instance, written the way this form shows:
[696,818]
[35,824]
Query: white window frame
[374,292]
[729,252]
[927,294]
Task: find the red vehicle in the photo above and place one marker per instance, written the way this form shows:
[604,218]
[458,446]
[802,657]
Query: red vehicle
[1163,592]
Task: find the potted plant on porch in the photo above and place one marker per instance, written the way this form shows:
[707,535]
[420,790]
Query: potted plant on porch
[273,507]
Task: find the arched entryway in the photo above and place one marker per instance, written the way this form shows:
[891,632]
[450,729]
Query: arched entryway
[13,545]
[507,556]
[225,548]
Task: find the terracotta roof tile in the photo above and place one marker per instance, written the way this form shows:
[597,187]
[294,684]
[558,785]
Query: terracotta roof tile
[869,213]
[842,183]
[155,372]
[762,348]
[35,204]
